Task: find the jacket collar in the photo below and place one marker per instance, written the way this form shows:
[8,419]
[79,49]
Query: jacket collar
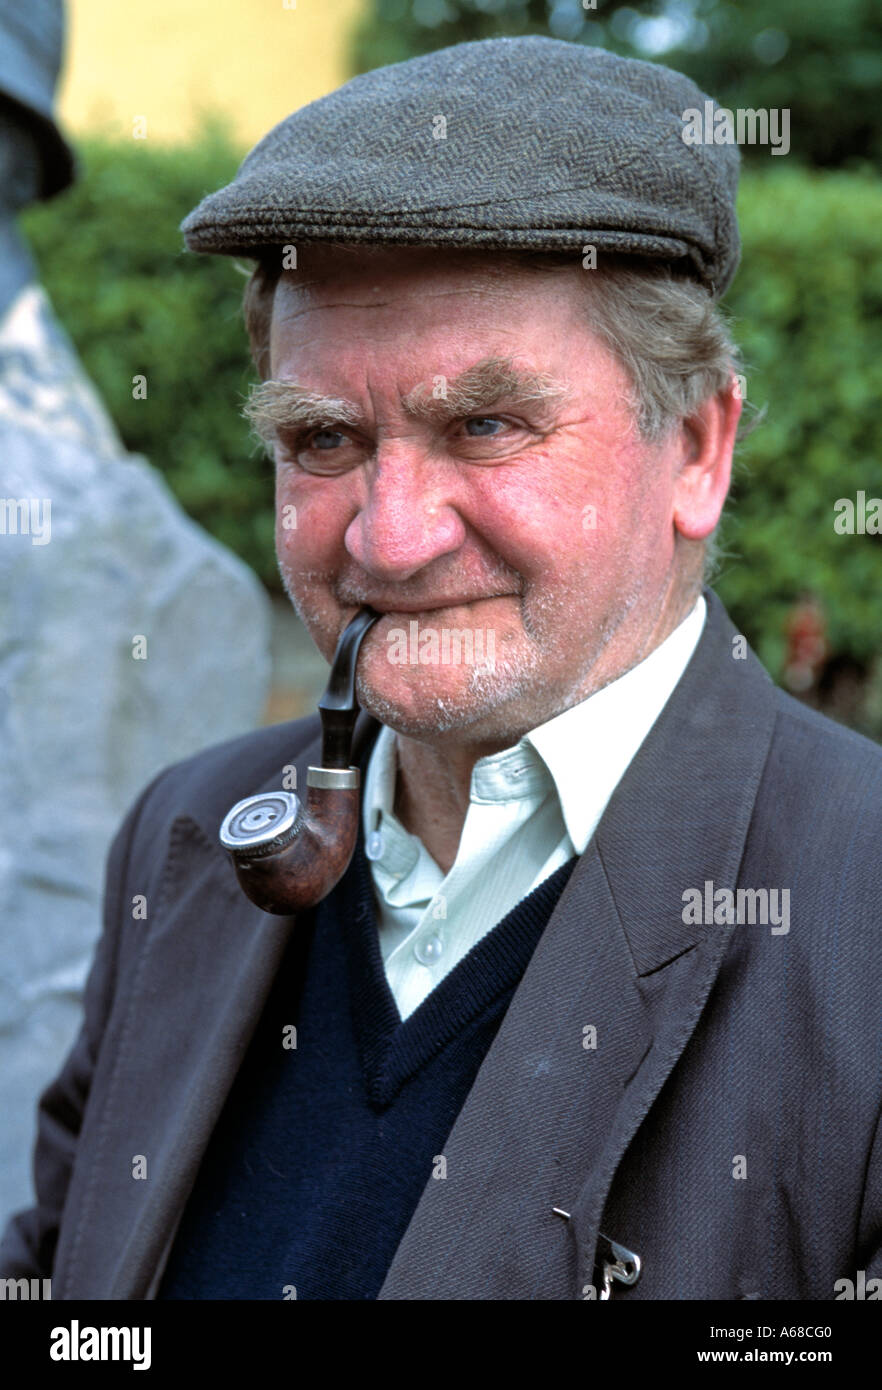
[689,795]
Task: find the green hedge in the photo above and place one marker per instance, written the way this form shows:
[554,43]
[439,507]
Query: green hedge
[806,305]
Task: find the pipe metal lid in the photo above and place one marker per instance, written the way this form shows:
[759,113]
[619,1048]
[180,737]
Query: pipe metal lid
[262,823]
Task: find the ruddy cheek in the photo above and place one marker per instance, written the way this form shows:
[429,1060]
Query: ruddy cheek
[308,526]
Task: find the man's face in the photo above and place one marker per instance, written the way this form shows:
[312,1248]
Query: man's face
[481,471]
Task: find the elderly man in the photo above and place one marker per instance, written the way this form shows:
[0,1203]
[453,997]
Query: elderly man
[594,1009]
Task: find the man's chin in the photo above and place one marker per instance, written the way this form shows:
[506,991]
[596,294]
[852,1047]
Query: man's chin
[426,712]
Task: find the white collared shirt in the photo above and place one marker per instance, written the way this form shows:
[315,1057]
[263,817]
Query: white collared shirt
[531,808]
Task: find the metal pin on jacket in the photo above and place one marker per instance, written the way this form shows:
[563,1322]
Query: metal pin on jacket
[612,1261]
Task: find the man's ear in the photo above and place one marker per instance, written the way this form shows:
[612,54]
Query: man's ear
[708,441]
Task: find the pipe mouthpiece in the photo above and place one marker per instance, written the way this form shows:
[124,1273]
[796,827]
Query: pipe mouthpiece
[338,707]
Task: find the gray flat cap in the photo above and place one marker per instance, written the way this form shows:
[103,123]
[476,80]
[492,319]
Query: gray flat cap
[519,144]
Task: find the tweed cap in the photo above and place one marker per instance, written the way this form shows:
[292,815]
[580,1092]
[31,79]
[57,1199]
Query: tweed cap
[529,144]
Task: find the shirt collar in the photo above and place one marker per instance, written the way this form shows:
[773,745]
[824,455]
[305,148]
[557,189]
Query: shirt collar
[587,748]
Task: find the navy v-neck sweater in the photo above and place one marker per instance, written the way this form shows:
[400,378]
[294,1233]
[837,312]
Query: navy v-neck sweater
[322,1151]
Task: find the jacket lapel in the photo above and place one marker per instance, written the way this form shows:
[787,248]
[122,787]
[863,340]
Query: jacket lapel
[205,969]
[219,990]
[554,1106]
[222,989]
[688,807]
[539,1107]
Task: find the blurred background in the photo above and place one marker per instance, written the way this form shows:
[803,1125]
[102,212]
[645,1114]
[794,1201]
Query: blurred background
[211,79]
[163,521]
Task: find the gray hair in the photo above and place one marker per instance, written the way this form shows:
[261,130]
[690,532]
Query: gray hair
[665,330]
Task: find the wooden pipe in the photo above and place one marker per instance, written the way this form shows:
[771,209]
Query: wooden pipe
[288,854]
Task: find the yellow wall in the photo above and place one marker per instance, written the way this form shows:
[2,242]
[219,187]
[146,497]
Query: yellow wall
[169,60]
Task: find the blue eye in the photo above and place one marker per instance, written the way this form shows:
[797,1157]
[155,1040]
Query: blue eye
[482,420]
[319,439]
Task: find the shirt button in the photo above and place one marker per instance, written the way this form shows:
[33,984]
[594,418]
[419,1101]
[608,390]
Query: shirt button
[374,846]
[429,949]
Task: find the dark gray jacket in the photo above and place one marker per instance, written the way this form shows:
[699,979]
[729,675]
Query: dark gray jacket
[706,1093]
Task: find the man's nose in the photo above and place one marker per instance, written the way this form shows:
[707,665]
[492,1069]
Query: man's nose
[407,519]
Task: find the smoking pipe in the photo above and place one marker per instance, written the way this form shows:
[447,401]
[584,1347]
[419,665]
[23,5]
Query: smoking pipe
[287,855]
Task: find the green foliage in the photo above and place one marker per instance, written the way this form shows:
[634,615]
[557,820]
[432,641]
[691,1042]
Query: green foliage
[136,303]
[822,62]
[807,304]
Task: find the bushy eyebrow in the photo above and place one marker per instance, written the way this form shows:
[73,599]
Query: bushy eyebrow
[481,386]
[284,405]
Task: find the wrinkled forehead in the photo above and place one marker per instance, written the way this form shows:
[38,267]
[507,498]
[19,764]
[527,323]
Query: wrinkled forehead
[386,307]
[372,270]
[452,308]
